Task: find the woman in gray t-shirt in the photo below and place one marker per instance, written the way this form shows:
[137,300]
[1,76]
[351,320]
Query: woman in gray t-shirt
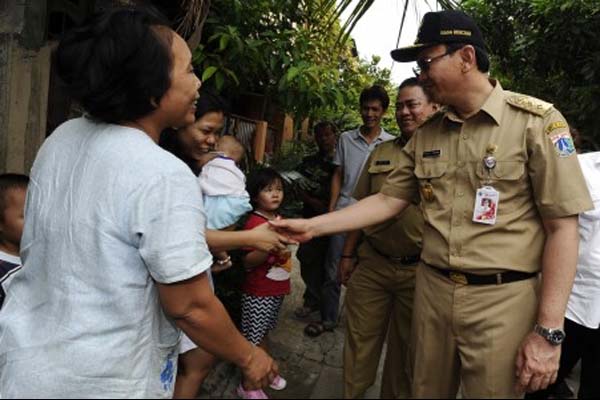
[113,253]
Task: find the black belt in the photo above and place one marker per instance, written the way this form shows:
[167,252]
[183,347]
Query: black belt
[404,260]
[465,278]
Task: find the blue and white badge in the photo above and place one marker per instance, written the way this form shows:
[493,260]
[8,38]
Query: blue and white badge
[563,144]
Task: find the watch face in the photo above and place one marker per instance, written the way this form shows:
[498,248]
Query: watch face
[556,336]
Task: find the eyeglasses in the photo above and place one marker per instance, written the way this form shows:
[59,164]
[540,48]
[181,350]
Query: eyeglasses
[424,64]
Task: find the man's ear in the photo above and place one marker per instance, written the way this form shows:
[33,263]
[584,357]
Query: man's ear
[435,107]
[153,102]
[468,57]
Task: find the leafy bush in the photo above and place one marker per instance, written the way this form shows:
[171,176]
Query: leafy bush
[547,49]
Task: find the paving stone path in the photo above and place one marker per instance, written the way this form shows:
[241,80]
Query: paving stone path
[312,367]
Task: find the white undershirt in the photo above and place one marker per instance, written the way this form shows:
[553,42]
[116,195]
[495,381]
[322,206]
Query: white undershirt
[584,303]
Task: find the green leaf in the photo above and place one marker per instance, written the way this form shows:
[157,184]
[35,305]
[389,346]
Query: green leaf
[208,73]
[214,37]
[292,73]
[232,75]
[223,42]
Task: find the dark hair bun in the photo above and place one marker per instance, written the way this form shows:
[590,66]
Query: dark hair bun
[116,63]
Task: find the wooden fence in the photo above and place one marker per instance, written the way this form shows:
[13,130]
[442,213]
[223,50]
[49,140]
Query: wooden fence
[256,136]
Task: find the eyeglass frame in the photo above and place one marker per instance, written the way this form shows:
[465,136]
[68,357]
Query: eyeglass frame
[423,65]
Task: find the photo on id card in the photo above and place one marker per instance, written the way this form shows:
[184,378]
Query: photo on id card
[486,205]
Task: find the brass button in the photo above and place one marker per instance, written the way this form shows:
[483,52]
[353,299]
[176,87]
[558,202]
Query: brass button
[465,137]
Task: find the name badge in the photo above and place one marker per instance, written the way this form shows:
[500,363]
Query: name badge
[383,162]
[487,201]
[432,154]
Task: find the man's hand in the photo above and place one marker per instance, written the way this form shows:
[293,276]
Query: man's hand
[267,239]
[345,269]
[537,364]
[260,370]
[295,229]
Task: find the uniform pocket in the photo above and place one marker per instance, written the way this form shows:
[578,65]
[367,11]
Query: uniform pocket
[378,175]
[380,169]
[427,171]
[504,171]
[508,179]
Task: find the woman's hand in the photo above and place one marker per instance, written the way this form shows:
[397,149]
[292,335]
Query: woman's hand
[260,370]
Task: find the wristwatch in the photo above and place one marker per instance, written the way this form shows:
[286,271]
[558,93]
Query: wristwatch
[554,336]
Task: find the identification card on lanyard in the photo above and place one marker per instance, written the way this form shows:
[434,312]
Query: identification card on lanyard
[486,205]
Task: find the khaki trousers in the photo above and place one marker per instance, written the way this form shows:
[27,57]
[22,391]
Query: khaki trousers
[379,300]
[468,335]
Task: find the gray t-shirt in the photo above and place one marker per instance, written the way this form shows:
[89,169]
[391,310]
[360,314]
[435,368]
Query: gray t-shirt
[108,214]
[351,153]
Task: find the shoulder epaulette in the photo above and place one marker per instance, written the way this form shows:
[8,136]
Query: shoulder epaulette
[530,104]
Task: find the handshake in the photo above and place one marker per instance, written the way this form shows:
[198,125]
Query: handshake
[275,236]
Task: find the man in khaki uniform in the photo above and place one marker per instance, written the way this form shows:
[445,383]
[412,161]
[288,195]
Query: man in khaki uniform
[380,292]
[500,189]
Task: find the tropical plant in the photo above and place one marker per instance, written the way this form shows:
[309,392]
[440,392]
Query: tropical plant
[288,51]
[548,49]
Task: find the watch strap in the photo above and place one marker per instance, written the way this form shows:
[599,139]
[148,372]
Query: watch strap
[553,336]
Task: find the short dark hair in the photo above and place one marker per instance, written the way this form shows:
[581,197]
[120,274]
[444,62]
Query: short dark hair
[10,182]
[414,82]
[375,92]
[319,128]
[210,102]
[482,57]
[117,65]
[207,102]
[260,179]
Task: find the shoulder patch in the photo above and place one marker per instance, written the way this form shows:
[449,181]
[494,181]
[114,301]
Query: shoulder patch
[530,104]
[563,144]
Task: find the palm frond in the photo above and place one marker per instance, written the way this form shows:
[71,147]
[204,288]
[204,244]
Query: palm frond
[362,6]
[195,12]
[402,23]
[449,4]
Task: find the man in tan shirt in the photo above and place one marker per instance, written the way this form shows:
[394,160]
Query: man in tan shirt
[380,276]
[481,319]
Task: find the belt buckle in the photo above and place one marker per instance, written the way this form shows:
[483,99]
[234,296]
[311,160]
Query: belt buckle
[459,278]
